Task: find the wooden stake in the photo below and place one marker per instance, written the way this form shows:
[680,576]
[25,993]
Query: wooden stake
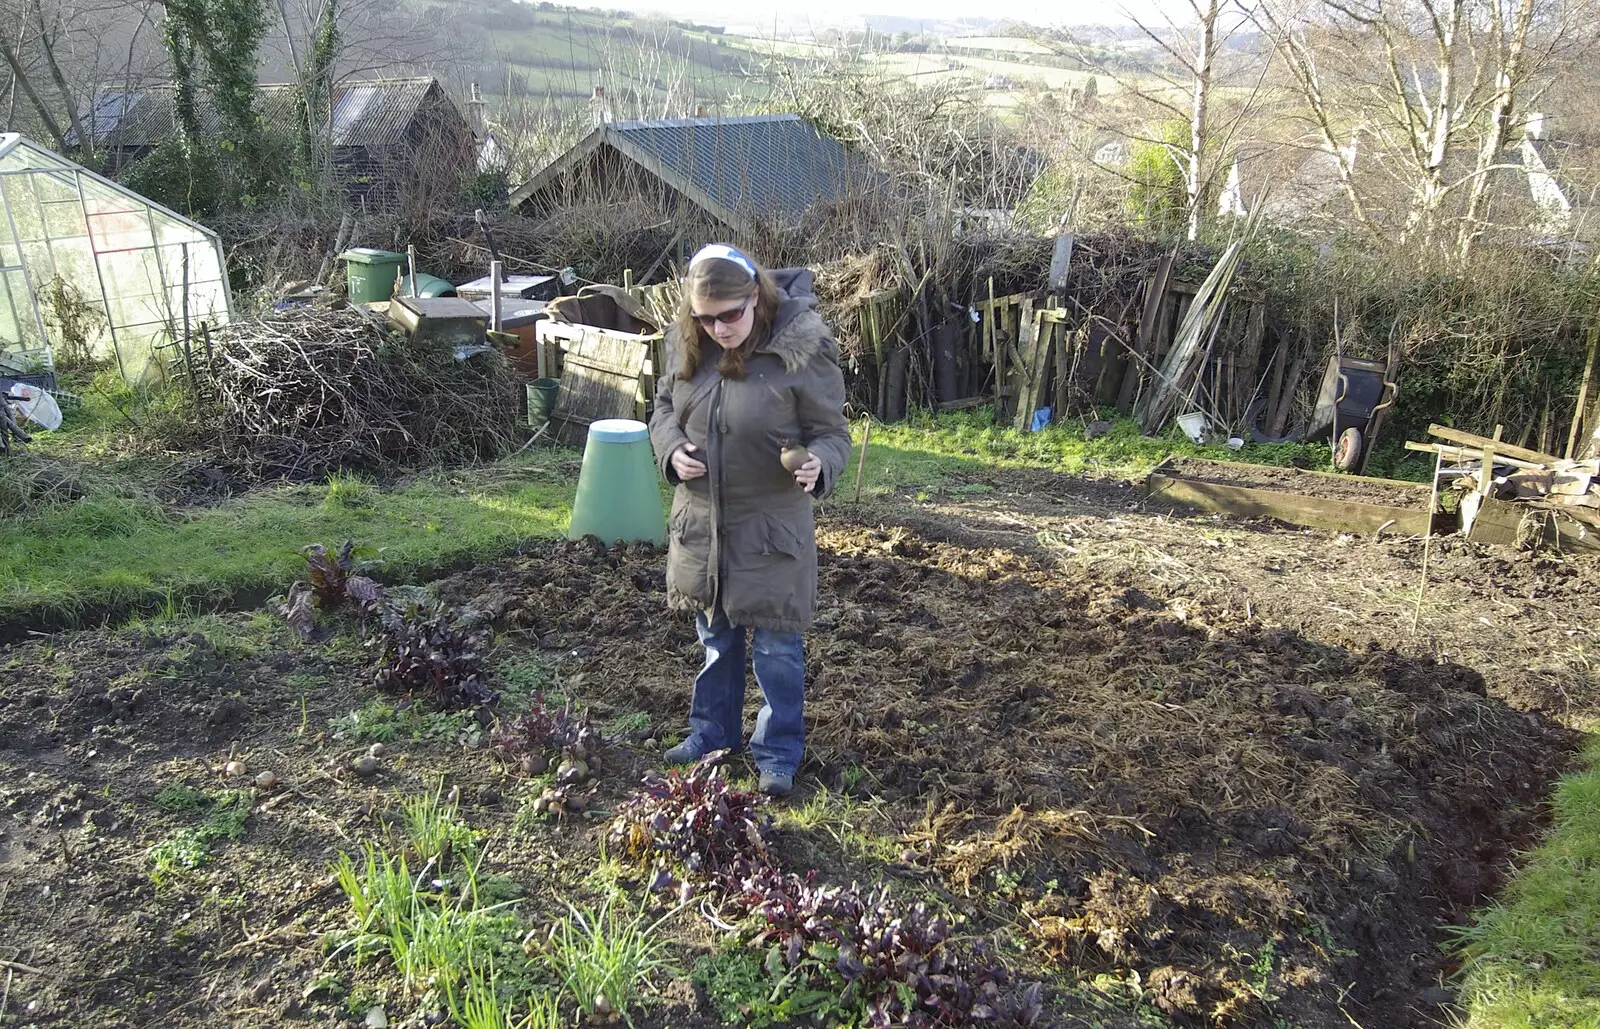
[861,465]
[1427,540]
[1583,391]
[411,265]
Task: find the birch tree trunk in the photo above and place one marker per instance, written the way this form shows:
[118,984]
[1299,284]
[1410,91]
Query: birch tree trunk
[1205,59]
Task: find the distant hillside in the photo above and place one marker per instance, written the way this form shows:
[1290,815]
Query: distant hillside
[651,66]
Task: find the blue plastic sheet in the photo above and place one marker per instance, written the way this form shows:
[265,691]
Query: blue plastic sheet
[1041,418]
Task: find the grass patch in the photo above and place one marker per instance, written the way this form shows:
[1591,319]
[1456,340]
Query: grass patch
[1533,958]
[928,451]
[190,847]
[111,553]
[605,956]
[382,721]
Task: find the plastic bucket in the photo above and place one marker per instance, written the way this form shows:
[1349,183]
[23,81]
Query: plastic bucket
[541,398]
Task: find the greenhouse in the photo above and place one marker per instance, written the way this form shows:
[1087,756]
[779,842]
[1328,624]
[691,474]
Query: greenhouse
[94,272]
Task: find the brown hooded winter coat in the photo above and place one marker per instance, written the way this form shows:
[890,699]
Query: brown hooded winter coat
[743,536]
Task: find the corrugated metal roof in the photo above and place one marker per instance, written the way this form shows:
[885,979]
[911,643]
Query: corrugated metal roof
[768,165]
[365,114]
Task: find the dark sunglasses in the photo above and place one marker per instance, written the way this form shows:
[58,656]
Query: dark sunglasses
[725,317]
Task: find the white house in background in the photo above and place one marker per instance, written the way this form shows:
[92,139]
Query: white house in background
[1549,194]
[1112,153]
[1299,182]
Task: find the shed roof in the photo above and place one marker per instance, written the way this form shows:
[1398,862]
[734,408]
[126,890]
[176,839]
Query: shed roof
[767,165]
[373,113]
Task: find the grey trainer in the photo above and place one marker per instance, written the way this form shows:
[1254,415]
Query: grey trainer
[776,784]
[685,753]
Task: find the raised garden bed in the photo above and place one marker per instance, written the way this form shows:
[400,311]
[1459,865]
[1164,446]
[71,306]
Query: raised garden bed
[1323,500]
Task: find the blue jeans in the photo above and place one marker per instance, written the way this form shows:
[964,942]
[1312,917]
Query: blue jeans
[716,712]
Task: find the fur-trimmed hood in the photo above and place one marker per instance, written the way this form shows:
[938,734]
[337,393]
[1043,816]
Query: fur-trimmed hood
[798,331]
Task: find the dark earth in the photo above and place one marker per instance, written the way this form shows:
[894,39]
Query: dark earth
[1184,768]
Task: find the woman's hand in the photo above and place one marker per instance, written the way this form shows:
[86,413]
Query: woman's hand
[806,475]
[686,466]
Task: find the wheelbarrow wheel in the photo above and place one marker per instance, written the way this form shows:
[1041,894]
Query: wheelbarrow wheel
[1347,452]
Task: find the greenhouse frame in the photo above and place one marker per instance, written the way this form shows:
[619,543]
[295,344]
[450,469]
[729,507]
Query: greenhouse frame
[93,270]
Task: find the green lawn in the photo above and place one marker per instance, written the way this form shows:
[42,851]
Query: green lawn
[116,551]
[1533,958]
[111,554]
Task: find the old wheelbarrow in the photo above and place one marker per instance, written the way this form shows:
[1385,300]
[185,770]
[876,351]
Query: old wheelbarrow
[1351,404]
[1355,396]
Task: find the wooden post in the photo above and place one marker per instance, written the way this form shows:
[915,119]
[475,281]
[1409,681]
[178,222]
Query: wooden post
[1583,391]
[1486,473]
[1427,539]
[861,463]
[411,264]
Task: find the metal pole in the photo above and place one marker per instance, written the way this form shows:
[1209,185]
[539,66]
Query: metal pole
[494,295]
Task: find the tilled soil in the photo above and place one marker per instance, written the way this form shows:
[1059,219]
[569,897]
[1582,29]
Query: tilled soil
[1206,761]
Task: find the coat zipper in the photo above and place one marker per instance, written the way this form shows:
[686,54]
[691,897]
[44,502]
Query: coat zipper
[714,469]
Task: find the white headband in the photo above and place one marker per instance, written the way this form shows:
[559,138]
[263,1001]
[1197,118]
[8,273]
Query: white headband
[724,252]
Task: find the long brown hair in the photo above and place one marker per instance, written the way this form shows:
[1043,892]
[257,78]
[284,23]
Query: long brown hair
[719,280]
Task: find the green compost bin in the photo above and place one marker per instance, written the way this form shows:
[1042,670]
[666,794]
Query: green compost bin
[619,489]
[427,286]
[541,399]
[371,274]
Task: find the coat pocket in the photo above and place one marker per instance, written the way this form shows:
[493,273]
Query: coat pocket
[689,551]
[762,539]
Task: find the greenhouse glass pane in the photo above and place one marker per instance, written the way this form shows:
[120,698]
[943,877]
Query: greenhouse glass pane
[8,321]
[204,263]
[206,302]
[171,231]
[130,273]
[10,256]
[27,327]
[63,211]
[23,207]
[36,158]
[36,258]
[119,231]
[130,311]
[102,199]
[55,188]
[13,162]
[75,263]
[136,347]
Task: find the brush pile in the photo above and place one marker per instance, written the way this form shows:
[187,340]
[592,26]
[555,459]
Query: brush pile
[309,391]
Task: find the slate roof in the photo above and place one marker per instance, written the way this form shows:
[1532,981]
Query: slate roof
[365,114]
[765,165]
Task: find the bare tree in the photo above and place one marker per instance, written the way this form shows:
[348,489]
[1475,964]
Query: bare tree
[61,55]
[1182,85]
[1434,87]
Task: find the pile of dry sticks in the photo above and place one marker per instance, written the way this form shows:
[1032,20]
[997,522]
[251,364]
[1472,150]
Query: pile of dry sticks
[313,390]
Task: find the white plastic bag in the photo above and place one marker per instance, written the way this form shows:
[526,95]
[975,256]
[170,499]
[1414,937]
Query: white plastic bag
[36,406]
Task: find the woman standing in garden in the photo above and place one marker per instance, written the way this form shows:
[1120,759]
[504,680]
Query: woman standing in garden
[751,371]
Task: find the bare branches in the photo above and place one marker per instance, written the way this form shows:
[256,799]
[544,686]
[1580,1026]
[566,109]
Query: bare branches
[1451,78]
